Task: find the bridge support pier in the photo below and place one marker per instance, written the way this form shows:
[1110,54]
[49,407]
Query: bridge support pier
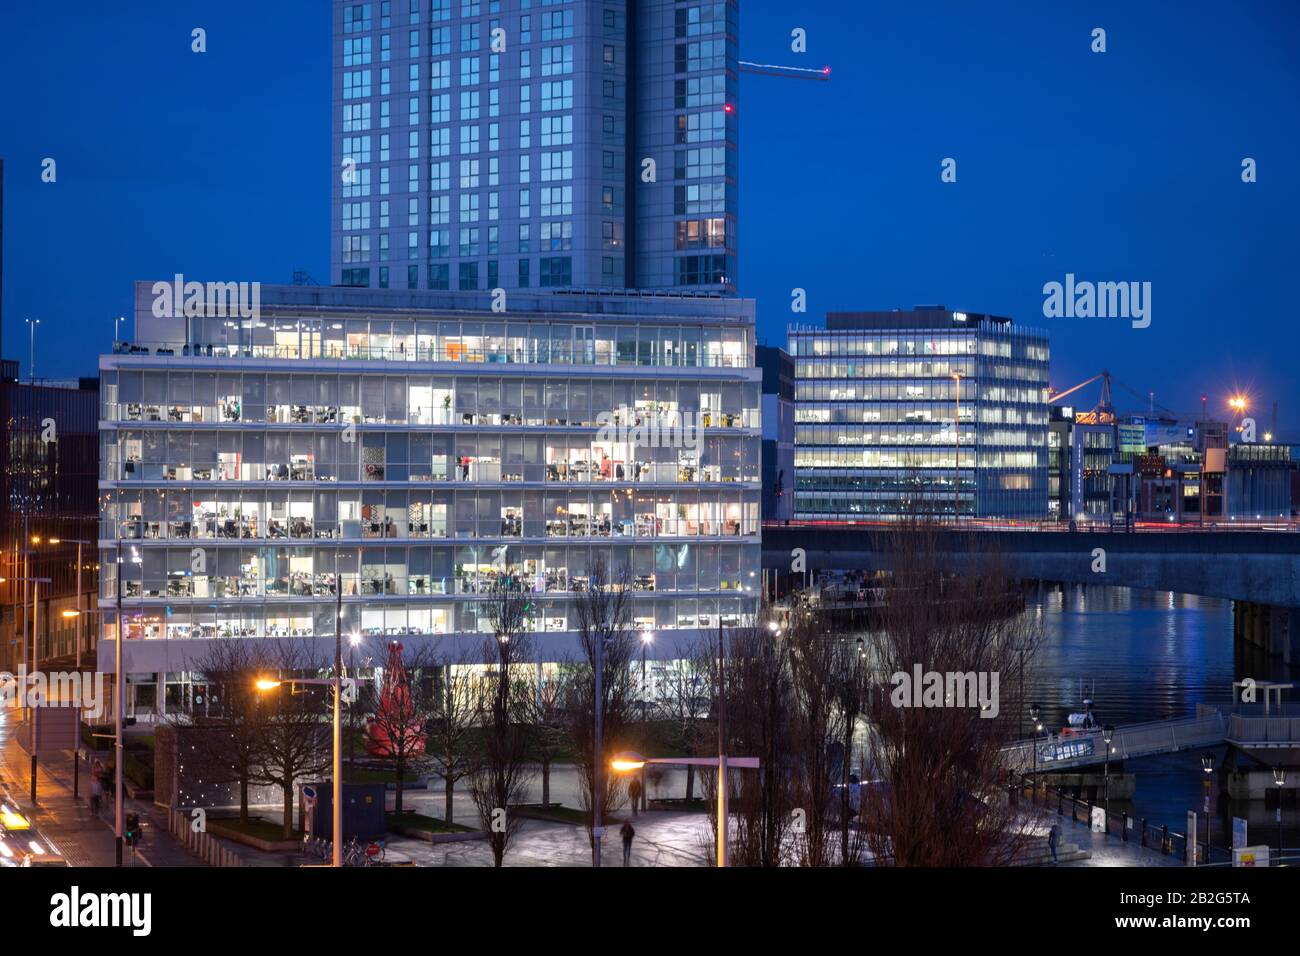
[1272,630]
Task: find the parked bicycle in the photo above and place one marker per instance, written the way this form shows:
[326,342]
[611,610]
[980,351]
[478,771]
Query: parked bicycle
[317,847]
[370,854]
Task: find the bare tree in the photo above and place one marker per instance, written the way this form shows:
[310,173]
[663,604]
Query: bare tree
[504,769]
[453,710]
[293,737]
[758,697]
[683,705]
[396,731]
[937,798]
[814,671]
[850,689]
[604,613]
[232,725]
[542,710]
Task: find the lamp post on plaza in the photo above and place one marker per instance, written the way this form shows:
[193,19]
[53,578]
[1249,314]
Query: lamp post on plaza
[603,633]
[336,683]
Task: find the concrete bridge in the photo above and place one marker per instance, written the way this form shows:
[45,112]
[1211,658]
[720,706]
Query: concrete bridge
[1259,570]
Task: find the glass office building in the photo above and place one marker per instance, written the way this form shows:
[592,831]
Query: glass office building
[921,412]
[412,447]
[526,144]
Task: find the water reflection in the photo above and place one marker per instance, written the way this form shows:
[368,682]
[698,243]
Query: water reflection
[1152,655]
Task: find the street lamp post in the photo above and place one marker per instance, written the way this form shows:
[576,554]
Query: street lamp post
[117,708]
[31,349]
[598,763]
[336,684]
[647,636]
[353,641]
[956,462]
[1279,778]
[30,542]
[1107,735]
[722,749]
[119,705]
[1034,711]
[78,542]
[36,583]
[1207,765]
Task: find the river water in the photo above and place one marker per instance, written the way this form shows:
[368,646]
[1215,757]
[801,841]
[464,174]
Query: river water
[1151,655]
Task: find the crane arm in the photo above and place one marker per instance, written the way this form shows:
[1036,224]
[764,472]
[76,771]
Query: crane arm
[1057,396]
[790,72]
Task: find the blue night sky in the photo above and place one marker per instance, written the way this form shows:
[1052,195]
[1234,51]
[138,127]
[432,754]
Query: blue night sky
[1117,166]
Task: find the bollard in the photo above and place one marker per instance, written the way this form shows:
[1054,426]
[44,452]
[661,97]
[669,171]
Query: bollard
[1164,839]
[1123,826]
[1144,831]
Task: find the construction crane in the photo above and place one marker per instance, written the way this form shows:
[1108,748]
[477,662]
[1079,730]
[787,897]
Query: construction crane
[789,72]
[1103,408]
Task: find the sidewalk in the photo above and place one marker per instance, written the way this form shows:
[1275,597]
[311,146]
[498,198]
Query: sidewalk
[67,822]
[1107,849]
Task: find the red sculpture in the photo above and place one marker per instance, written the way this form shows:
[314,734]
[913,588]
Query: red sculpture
[395,712]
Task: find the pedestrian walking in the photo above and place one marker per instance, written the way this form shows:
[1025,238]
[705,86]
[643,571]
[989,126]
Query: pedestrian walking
[627,832]
[634,794]
[96,786]
[1053,837]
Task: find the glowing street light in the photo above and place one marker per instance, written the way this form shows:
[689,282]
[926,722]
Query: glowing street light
[630,762]
[626,763]
[336,682]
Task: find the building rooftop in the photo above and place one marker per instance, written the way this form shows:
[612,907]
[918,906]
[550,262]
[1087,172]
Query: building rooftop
[920,317]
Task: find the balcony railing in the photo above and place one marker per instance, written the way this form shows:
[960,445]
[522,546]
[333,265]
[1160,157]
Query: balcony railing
[504,355]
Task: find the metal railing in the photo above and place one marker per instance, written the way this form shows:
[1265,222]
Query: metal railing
[1088,747]
[580,355]
[1129,829]
[948,523]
